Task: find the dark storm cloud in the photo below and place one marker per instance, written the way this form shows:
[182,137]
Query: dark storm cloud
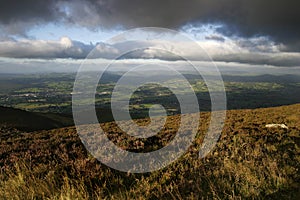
[16,10]
[18,16]
[277,18]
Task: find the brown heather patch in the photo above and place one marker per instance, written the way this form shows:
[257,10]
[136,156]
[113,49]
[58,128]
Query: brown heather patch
[249,162]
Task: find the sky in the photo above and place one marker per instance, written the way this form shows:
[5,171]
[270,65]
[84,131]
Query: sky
[57,35]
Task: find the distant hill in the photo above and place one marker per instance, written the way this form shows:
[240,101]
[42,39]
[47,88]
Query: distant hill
[30,121]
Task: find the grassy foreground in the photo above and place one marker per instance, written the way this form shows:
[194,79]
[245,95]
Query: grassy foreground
[249,162]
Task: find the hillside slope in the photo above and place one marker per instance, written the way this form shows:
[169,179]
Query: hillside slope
[250,161]
[30,121]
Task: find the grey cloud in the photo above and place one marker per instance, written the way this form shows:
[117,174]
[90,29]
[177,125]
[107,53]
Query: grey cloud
[230,52]
[215,37]
[103,50]
[274,59]
[65,48]
[12,11]
[258,45]
[256,51]
[277,60]
[16,17]
[277,18]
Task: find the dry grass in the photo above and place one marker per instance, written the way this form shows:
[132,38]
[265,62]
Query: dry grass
[249,162]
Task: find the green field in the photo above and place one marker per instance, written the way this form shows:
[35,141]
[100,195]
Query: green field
[52,92]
